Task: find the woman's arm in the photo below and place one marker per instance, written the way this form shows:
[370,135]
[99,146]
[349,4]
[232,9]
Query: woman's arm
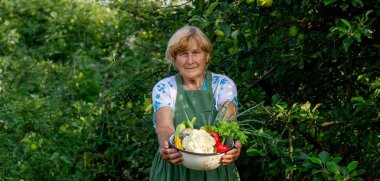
[164,125]
[164,129]
[228,110]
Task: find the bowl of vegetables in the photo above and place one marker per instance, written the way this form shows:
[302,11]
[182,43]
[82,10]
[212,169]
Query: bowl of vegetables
[203,148]
[203,158]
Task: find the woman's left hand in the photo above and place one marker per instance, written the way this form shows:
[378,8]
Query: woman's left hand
[233,154]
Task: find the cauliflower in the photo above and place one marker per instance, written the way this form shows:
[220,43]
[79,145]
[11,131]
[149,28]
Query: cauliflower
[199,141]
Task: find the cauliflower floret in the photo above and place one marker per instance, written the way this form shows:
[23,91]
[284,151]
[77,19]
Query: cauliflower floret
[199,141]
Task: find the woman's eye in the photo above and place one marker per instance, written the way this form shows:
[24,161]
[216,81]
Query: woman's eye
[182,54]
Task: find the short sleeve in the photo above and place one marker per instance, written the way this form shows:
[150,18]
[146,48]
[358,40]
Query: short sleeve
[161,96]
[225,91]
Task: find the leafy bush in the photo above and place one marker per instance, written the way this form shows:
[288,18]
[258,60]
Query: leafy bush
[325,168]
[76,77]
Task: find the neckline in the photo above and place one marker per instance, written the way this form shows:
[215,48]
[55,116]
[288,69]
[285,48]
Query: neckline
[206,83]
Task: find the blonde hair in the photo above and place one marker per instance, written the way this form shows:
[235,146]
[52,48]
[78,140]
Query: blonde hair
[183,38]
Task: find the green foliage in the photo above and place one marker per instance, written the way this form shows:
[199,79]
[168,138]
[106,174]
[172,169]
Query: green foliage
[76,77]
[322,167]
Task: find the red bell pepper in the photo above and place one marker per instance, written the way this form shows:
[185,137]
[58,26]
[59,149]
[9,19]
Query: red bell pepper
[215,136]
[218,145]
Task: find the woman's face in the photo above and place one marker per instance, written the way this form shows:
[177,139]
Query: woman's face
[191,63]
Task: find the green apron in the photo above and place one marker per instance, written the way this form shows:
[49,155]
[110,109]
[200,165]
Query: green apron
[189,104]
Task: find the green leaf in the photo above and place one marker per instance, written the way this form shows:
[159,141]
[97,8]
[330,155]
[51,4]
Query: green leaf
[225,28]
[316,107]
[347,43]
[315,160]
[360,171]
[351,166]
[197,18]
[235,34]
[357,37]
[358,99]
[333,167]
[338,178]
[345,22]
[291,168]
[307,165]
[314,171]
[301,65]
[324,156]
[317,178]
[306,106]
[336,159]
[342,31]
[275,99]
[211,8]
[327,2]
[254,152]
[344,171]
[357,3]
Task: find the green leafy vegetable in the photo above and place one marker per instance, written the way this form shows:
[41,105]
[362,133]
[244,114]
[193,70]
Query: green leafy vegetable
[227,129]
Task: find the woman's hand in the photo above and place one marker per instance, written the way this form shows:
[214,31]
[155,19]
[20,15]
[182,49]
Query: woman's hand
[233,154]
[170,155]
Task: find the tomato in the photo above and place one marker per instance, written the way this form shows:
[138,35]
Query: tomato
[221,148]
[215,136]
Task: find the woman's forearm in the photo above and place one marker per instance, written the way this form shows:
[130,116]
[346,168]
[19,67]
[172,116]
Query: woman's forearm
[164,125]
[163,134]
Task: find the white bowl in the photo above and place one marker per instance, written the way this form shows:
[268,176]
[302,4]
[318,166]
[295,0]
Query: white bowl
[200,161]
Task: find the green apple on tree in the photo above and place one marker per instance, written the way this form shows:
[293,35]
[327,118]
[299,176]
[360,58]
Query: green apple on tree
[265,3]
[300,36]
[129,105]
[219,33]
[249,1]
[293,31]
[33,147]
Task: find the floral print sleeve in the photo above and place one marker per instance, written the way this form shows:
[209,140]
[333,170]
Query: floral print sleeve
[224,89]
[161,95]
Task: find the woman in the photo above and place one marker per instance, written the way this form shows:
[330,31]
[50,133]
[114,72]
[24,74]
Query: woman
[194,92]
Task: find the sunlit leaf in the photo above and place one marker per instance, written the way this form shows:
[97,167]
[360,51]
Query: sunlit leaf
[352,165]
[315,160]
[327,2]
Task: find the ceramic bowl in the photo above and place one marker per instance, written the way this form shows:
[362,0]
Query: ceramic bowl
[201,161]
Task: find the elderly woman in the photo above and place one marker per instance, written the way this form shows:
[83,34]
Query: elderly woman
[194,92]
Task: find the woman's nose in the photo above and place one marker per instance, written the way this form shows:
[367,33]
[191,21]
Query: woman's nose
[190,58]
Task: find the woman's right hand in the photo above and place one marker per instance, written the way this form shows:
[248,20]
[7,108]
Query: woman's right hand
[170,155]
